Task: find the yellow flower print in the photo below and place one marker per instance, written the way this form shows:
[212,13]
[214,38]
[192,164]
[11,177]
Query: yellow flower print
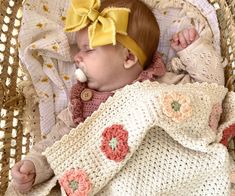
[39,25]
[55,47]
[63,18]
[176,106]
[192,22]
[49,65]
[45,8]
[44,79]
[66,77]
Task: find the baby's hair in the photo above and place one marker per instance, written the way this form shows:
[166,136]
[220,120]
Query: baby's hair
[142,25]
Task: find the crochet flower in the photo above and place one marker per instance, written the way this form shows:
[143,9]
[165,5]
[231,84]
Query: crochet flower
[215,116]
[75,182]
[176,106]
[114,143]
[228,135]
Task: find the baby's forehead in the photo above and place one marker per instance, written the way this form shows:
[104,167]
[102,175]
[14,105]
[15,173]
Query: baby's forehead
[82,33]
[81,40]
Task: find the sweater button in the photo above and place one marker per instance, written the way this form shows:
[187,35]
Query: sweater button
[86,94]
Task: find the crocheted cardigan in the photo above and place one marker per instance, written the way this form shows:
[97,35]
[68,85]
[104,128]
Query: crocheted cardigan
[148,139]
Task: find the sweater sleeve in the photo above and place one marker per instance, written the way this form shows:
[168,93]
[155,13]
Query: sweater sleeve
[43,169]
[199,62]
[202,62]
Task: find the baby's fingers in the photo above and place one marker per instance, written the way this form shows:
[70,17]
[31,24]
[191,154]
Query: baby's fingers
[186,36]
[175,38]
[27,167]
[193,34]
[182,40]
[22,178]
[23,188]
[19,178]
[16,174]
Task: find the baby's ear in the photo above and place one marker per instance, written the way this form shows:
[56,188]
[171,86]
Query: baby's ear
[130,59]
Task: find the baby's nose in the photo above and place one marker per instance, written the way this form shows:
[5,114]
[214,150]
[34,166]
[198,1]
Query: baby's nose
[77,59]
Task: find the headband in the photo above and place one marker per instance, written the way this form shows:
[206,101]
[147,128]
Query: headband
[103,28]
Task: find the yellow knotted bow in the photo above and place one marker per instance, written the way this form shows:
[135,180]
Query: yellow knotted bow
[104,28]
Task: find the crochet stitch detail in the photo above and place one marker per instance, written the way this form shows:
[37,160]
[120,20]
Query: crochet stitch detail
[82,109]
[215,116]
[155,69]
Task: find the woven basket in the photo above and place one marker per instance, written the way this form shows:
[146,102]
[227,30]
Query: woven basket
[14,142]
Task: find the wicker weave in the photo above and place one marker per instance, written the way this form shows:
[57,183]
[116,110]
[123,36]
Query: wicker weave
[226,17]
[14,143]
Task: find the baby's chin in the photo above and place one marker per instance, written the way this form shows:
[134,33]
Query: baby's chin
[99,88]
[93,86]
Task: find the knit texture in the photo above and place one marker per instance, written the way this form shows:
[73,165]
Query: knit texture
[82,109]
[207,57]
[167,155]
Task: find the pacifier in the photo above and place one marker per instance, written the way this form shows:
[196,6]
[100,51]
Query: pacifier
[80,75]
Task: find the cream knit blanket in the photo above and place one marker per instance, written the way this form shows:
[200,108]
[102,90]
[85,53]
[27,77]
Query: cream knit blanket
[169,152]
[172,150]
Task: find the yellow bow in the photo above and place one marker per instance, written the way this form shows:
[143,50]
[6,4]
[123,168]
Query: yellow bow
[103,26]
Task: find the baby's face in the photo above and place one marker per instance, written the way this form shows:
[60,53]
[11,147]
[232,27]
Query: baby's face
[102,65]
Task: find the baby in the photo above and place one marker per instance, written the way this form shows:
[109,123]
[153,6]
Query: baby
[117,41]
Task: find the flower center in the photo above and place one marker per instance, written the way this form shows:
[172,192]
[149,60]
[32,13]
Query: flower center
[73,185]
[175,106]
[113,143]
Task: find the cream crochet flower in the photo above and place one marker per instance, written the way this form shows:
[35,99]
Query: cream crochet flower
[176,106]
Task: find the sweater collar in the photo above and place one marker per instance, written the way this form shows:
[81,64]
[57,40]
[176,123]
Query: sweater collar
[154,70]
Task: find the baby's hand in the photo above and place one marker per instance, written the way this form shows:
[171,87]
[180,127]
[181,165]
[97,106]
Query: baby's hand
[23,175]
[184,38]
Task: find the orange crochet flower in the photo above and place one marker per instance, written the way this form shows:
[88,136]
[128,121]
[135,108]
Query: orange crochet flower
[228,135]
[75,182]
[114,143]
[176,106]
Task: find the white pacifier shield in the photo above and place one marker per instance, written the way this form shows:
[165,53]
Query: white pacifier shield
[80,75]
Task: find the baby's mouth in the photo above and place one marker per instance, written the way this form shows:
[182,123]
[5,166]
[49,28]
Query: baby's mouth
[80,75]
